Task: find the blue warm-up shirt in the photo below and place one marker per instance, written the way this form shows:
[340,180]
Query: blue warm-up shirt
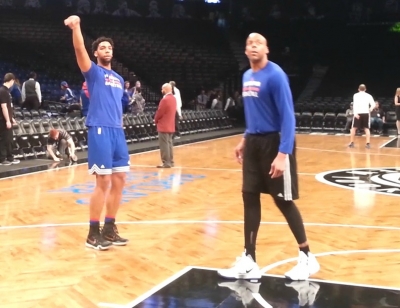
[268,104]
[106,90]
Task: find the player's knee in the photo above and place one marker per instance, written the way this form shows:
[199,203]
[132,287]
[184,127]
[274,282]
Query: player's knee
[103,182]
[282,204]
[119,176]
[250,199]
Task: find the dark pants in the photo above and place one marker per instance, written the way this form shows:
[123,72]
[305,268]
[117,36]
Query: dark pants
[71,108]
[177,133]
[258,154]
[378,122]
[31,103]
[6,139]
[166,148]
[61,147]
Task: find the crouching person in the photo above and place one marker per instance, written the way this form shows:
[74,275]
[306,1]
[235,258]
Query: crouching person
[59,145]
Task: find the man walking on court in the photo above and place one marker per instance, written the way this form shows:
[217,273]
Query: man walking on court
[363,104]
[165,121]
[108,156]
[268,155]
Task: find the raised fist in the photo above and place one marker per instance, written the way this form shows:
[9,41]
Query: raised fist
[72,21]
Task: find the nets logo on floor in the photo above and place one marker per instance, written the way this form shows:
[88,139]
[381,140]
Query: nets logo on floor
[379,180]
[138,185]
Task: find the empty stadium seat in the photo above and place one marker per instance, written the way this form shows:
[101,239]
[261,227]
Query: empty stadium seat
[317,121]
[329,122]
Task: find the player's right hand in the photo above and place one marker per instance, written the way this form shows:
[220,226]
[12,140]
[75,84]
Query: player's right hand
[56,159]
[72,22]
[239,151]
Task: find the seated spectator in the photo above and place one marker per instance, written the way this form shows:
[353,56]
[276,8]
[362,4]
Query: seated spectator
[69,99]
[377,117]
[60,143]
[350,116]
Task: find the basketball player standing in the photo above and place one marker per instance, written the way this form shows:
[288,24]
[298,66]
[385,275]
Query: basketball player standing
[363,104]
[108,155]
[267,153]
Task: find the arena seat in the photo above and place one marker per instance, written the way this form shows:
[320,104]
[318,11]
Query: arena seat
[329,122]
[317,121]
[305,121]
[340,122]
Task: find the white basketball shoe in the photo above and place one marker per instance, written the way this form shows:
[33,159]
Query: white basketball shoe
[243,268]
[306,266]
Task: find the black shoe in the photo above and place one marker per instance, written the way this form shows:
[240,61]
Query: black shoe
[110,233]
[6,163]
[96,241]
[351,145]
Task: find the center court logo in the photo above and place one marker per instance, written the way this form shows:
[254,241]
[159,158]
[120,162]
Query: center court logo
[379,180]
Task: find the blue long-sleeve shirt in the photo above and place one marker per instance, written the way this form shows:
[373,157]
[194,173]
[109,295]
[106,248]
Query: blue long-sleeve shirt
[268,104]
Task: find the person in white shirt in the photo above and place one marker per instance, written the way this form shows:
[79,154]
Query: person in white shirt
[363,103]
[178,115]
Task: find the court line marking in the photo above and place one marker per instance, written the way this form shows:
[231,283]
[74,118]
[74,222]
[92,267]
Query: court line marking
[108,305]
[346,152]
[169,280]
[193,222]
[157,287]
[134,154]
[323,254]
[389,141]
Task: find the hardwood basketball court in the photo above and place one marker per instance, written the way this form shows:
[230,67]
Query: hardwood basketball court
[192,215]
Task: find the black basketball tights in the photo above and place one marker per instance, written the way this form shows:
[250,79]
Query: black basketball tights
[252,219]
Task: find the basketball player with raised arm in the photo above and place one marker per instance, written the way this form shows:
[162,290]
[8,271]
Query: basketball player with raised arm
[108,156]
[363,104]
[268,156]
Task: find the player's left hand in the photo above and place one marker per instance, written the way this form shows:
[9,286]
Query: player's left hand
[278,166]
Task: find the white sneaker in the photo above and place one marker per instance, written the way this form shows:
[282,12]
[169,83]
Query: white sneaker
[307,291]
[243,290]
[243,268]
[306,266]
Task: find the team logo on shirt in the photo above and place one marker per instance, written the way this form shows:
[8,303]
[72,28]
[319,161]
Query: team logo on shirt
[377,180]
[251,88]
[112,81]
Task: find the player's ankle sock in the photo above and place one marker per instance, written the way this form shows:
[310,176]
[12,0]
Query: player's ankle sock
[109,220]
[94,226]
[305,249]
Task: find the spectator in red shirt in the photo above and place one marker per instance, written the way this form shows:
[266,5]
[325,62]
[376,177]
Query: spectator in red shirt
[165,121]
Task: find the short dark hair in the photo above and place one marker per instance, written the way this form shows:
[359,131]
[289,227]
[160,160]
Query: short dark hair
[8,77]
[101,39]
[32,75]
[172,83]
